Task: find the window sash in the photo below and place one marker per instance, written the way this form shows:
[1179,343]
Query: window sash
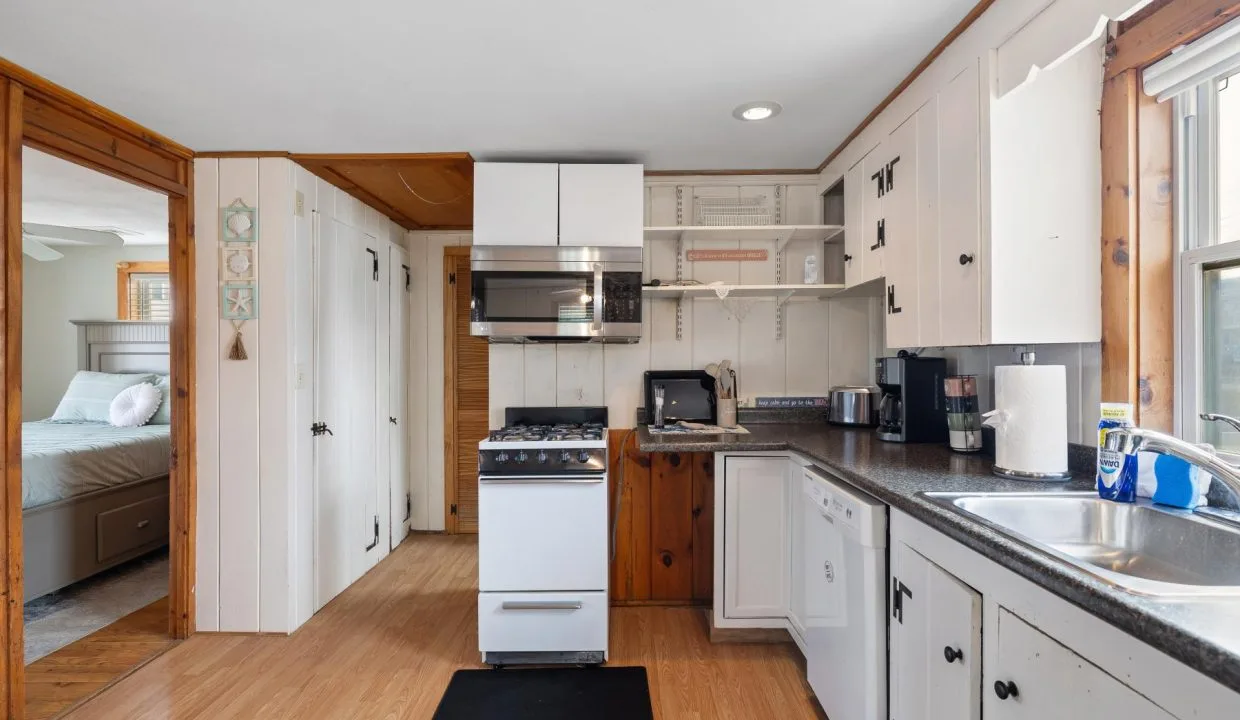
[150,297]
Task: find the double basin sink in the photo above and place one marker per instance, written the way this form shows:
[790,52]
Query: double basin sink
[1140,547]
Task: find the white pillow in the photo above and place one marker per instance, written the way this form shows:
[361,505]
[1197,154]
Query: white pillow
[134,405]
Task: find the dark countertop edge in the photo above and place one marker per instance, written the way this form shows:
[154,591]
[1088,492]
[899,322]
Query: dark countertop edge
[1047,572]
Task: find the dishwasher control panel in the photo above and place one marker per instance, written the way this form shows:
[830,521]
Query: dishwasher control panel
[847,508]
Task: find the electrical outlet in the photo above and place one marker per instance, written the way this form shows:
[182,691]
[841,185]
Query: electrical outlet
[299,204]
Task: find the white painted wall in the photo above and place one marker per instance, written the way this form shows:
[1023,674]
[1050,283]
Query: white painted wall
[79,286]
[255,509]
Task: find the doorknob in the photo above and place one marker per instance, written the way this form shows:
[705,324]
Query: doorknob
[1006,690]
[952,654]
[965,259]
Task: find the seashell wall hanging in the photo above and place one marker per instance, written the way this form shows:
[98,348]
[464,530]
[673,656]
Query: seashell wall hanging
[238,271]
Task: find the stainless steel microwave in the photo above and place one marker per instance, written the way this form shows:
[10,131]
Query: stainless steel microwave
[554,293]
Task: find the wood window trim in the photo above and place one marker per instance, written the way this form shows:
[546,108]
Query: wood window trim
[1138,243]
[450,254]
[37,113]
[123,271]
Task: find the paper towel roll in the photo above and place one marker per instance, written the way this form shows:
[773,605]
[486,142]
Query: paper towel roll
[1031,418]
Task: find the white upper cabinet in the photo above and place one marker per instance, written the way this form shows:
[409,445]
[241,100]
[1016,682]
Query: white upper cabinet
[874,227]
[854,226]
[601,205]
[900,235]
[957,268]
[516,203]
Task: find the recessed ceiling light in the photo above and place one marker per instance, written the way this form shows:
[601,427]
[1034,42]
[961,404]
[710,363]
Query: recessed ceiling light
[757,110]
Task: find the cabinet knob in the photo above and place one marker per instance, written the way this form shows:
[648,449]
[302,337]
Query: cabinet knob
[965,259]
[1006,690]
[952,654]
[847,257]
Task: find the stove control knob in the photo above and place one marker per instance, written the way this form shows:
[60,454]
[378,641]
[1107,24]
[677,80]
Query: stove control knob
[522,456]
[565,457]
[541,457]
[501,457]
[583,457]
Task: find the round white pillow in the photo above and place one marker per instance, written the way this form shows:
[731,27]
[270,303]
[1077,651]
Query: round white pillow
[135,405]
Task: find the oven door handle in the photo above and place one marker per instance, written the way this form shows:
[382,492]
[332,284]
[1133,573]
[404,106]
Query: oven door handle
[539,479]
[600,299]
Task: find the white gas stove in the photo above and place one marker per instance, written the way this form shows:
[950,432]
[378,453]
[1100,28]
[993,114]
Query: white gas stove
[543,538]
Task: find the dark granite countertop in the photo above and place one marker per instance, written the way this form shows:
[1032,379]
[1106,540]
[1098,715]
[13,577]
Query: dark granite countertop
[1203,634]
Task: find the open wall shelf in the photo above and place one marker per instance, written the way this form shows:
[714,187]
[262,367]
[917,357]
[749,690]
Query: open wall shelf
[780,235]
[776,292]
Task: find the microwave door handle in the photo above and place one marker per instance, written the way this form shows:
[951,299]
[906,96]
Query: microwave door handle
[599,299]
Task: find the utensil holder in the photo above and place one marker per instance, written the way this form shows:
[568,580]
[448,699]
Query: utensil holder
[727,413]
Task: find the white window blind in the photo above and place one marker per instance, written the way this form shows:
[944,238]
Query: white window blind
[150,297]
[1208,57]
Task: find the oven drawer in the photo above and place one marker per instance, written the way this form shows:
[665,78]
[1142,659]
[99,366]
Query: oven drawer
[542,535]
[542,622]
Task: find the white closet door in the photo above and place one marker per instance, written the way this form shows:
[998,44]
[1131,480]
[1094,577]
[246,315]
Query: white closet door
[399,281]
[333,521]
[383,412]
[361,348]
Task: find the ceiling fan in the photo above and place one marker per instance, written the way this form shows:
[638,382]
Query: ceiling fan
[37,239]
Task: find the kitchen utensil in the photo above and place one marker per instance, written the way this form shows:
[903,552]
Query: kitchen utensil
[853,405]
[727,413]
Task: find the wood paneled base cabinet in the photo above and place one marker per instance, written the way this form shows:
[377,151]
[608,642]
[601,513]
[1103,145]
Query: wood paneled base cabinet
[973,640]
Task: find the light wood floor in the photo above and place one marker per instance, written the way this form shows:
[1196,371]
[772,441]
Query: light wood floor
[387,647]
[80,669]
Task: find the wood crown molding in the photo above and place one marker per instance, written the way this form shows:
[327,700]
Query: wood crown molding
[1147,39]
[956,32]
[691,173]
[38,85]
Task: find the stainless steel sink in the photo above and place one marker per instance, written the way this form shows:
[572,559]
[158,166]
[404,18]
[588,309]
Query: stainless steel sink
[1141,547]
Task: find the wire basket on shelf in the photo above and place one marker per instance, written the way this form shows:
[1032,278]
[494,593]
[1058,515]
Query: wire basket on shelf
[713,211]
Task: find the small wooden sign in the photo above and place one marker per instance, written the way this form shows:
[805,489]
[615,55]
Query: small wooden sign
[758,255]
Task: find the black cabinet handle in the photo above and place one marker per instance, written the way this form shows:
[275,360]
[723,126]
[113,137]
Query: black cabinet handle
[951,654]
[965,259]
[847,257]
[1006,690]
[392,420]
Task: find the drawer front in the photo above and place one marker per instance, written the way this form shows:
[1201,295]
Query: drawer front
[131,527]
[542,622]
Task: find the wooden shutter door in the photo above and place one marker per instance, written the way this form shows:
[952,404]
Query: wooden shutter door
[466,407]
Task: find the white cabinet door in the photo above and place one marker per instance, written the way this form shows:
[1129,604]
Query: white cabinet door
[800,513]
[959,259]
[900,235]
[516,203]
[936,641]
[855,188]
[400,421]
[926,272]
[1035,677]
[756,563]
[873,184]
[601,205]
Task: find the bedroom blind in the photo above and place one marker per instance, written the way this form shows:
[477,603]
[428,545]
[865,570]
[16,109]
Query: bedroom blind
[150,297]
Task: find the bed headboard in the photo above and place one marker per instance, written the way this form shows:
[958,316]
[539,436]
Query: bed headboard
[122,346]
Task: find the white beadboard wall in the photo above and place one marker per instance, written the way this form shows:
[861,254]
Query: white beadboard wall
[824,343]
[254,533]
[1082,363]
[426,382]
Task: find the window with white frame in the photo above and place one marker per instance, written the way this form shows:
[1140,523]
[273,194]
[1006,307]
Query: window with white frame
[1203,80]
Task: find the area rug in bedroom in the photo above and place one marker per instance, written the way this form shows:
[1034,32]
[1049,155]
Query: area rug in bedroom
[68,615]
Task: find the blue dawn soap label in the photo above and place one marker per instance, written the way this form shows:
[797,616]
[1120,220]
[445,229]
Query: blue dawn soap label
[1117,472]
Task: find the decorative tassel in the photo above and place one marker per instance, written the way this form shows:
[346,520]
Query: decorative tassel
[236,351]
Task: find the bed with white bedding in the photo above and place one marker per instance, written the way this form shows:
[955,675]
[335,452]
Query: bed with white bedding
[95,495]
[64,460]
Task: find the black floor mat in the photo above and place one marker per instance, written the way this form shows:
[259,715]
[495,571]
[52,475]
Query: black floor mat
[604,693]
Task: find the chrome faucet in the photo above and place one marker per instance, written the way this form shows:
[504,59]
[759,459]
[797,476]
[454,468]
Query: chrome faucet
[1130,441]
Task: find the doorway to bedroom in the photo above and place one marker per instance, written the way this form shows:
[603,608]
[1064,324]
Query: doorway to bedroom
[96,429]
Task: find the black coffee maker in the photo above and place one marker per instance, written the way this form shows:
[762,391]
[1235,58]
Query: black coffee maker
[913,407]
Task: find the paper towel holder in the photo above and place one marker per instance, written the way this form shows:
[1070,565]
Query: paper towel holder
[996,419]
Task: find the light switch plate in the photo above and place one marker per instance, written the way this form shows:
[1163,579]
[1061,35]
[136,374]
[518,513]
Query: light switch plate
[299,204]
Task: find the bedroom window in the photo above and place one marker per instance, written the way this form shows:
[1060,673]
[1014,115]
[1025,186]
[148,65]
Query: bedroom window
[143,291]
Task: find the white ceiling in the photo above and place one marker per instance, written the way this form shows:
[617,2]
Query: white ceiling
[57,192]
[647,80]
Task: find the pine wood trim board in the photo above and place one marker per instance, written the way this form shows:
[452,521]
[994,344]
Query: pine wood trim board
[1151,37]
[12,661]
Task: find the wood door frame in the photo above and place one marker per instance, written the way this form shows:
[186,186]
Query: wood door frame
[450,255]
[38,113]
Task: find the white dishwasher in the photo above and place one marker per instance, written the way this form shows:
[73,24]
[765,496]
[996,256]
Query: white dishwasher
[845,580]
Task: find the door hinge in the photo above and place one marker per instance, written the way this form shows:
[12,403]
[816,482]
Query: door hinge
[408,277]
[374,258]
[898,592]
[880,178]
[452,510]
[320,428]
[891,173]
[408,506]
[375,542]
[451,278]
